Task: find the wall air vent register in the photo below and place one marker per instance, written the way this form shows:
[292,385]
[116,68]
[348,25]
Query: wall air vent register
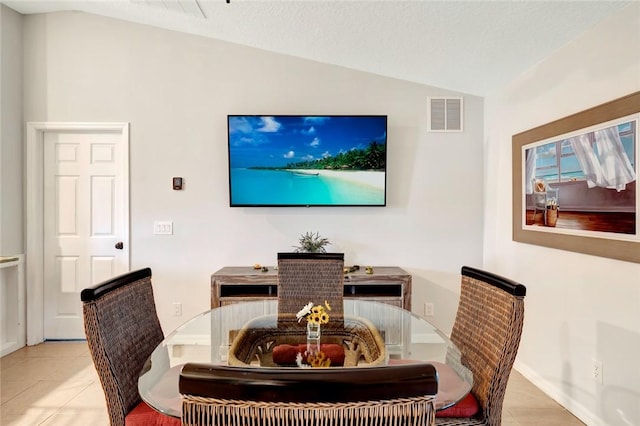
[446,114]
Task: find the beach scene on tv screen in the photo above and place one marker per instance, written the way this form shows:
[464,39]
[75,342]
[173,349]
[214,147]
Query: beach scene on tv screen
[307,160]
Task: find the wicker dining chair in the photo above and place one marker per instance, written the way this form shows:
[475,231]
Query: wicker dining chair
[310,277]
[122,329]
[374,396]
[487,331]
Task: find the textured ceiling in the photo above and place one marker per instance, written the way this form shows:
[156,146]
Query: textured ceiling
[468,46]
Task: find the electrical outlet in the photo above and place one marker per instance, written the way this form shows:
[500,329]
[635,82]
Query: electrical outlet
[597,371]
[177,309]
[428,309]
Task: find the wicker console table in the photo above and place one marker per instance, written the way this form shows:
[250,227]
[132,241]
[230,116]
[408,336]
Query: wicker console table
[387,284]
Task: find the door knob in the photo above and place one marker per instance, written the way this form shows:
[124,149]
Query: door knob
[119,245]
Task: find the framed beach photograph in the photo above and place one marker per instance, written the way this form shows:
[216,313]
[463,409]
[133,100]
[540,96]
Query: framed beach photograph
[575,182]
[307,160]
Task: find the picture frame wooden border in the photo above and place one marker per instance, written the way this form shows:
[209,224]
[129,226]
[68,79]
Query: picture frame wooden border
[597,246]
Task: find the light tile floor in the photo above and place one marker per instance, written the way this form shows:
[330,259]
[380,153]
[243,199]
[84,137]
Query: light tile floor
[55,383]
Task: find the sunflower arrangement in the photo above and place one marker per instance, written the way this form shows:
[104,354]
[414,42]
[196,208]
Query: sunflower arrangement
[314,360]
[317,314]
[318,359]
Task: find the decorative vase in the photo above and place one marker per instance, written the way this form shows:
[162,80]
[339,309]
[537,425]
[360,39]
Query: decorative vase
[552,216]
[313,338]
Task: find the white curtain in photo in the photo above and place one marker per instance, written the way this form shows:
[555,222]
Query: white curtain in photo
[610,167]
[529,169]
[616,167]
[588,159]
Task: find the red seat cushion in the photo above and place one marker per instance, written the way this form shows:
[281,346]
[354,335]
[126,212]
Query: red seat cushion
[286,354]
[466,407]
[143,415]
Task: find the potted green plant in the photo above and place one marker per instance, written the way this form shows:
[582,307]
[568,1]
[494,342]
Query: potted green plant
[311,242]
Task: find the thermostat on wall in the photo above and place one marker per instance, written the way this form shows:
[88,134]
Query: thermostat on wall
[177,183]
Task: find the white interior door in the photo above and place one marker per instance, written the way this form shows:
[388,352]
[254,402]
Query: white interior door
[85,226]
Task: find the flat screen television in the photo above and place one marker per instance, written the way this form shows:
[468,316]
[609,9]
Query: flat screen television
[303,160]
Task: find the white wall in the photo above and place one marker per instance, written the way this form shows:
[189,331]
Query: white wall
[11,125]
[176,91]
[578,308]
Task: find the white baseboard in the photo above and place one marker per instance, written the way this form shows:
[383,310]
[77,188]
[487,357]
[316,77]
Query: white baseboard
[574,407]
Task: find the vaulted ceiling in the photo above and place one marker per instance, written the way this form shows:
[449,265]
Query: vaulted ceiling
[468,46]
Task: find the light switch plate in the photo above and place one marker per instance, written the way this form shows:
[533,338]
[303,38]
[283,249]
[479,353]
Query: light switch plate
[164,227]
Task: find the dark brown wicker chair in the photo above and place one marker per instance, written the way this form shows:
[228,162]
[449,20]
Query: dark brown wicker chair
[310,277]
[487,331]
[122,329]
[241,396]
[304,278]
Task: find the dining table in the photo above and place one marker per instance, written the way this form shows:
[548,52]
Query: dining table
[215,336]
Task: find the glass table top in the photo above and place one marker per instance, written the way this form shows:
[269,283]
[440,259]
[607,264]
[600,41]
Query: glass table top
[242,333]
